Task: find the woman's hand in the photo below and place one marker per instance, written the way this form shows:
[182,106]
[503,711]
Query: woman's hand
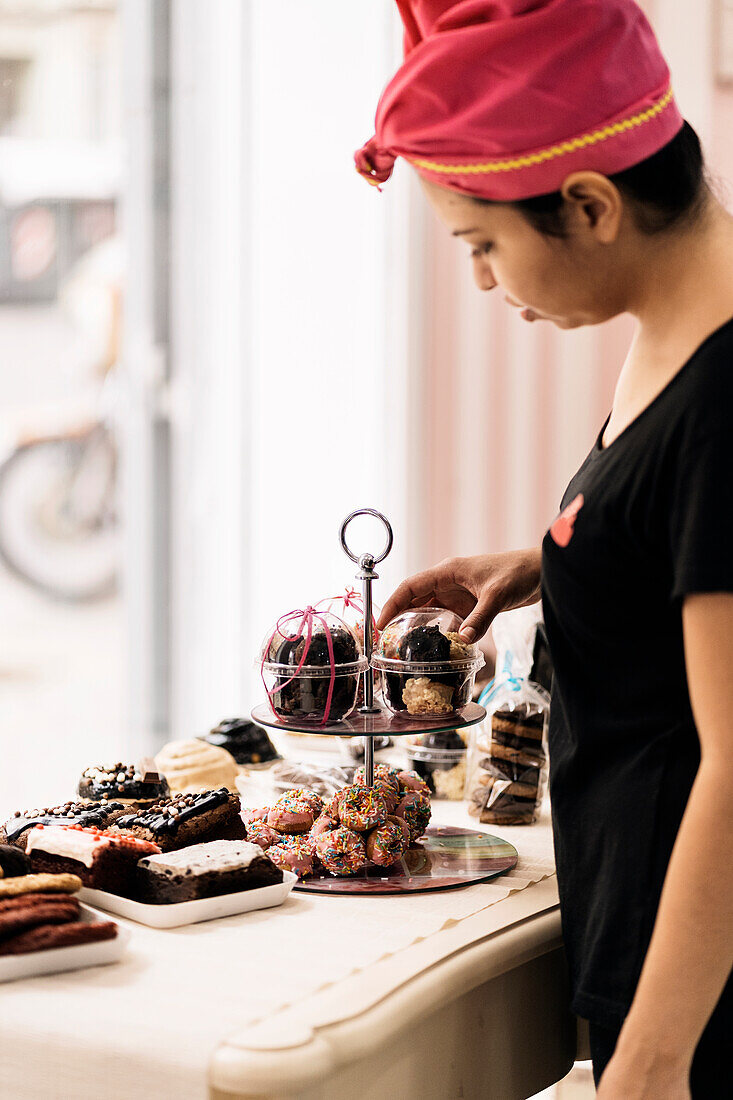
[476,588]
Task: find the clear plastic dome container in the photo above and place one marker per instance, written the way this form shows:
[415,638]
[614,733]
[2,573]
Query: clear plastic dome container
[307,679]
[349,607]
[427,671]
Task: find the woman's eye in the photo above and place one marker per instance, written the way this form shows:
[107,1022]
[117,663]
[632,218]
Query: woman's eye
[482,250]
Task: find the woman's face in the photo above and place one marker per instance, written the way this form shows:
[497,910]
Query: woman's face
[577,280]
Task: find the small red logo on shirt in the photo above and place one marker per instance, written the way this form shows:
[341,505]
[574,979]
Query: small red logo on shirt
[562,528]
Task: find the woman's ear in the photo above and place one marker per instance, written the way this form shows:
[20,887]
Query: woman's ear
[594,205]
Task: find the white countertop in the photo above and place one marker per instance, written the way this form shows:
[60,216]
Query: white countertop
[218,1003]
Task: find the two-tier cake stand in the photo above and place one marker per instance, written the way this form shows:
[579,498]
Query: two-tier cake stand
[446,857]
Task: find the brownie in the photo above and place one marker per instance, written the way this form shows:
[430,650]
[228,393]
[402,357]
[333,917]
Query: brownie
[204,871]
[96,815]
[101,861]
[186,819]
[247,742]
[122,782]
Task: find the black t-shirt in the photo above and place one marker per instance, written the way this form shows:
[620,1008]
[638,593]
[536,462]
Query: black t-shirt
[645,522]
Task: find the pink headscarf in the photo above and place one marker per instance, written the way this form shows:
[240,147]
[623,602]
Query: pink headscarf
[503,99]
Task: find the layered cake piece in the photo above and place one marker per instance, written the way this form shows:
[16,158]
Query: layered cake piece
[507,788]
[97,815]
[133,785]
[205,871]
[185,819]
[100,860]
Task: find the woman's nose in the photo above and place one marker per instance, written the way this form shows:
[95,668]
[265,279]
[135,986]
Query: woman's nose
[483,276]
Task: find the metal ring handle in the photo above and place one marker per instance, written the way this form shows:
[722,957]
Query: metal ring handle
[377,515]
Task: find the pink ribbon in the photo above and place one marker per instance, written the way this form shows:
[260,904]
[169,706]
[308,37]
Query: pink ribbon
[351,598]
[306,620]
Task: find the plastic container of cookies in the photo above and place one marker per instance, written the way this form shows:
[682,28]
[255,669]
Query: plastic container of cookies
[311,664]
[427,671]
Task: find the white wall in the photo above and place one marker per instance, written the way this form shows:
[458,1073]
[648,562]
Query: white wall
[288,328]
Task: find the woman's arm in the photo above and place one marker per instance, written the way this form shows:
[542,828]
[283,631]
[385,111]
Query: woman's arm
[475,588]
[691,950]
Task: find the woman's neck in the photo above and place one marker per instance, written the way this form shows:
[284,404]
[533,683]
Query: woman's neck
[682,291]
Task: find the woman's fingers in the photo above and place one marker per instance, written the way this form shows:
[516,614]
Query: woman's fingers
[475,625]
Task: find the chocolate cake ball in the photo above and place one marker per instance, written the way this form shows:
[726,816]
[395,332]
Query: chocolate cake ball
[306,697]
[423,644]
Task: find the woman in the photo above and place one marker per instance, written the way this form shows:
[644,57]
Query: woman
[547,137]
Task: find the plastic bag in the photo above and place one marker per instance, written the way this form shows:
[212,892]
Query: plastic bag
[508,754]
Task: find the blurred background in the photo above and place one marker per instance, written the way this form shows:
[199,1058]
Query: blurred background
[216,341]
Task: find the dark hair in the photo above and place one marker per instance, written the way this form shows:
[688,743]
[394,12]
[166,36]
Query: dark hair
[665,189]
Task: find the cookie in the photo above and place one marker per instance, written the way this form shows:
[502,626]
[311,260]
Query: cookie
[65,935]
[32,884]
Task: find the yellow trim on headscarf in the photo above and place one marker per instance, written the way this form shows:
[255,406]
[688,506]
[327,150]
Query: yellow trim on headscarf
[554,151]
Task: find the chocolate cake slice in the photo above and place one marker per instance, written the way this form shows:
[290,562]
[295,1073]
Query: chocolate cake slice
[204,871]
[186,819]
[90,815]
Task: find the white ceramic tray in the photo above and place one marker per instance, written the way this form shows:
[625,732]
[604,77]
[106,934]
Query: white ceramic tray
[191,912]
[58,959]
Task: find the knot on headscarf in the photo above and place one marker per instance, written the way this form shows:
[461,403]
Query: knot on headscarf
[373,163]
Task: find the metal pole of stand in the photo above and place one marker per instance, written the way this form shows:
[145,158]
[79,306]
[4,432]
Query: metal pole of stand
[367,576]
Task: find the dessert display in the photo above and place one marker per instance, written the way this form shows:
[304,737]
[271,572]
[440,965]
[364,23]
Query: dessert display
[428,672]
[311,664]
[356,828]
[99,859]
[130,784]
[204,871]
[184,820]
[194,765]
[439,759]
[88,814]
[248,743]
[507,781]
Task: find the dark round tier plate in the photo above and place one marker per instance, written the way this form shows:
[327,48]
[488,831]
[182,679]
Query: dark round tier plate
[368,725]
[445,858]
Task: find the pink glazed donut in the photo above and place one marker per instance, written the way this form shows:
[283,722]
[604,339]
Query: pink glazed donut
[291,814]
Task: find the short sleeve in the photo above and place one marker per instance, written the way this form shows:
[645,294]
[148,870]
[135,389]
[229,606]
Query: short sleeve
[701,517]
